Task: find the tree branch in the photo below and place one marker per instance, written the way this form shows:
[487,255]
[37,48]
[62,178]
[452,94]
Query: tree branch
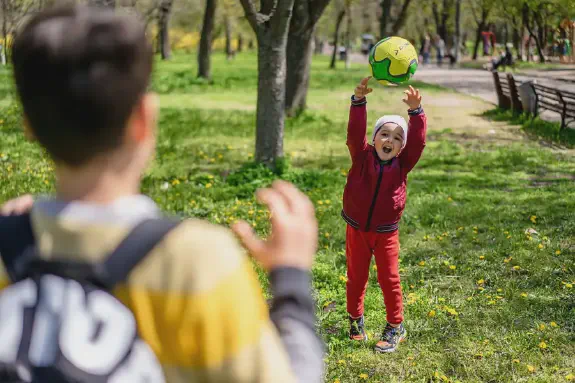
[251,13]
[401,17]
[316,9]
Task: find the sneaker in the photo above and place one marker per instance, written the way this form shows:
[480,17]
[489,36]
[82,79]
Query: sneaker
[391,338]
[357,329]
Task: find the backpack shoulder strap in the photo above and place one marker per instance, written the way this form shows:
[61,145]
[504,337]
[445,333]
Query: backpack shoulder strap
[133,249]
[16,236]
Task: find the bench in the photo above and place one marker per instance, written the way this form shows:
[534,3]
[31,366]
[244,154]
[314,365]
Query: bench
[507,93]
[558,101]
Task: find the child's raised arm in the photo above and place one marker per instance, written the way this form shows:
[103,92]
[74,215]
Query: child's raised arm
[357,126]
[416,132]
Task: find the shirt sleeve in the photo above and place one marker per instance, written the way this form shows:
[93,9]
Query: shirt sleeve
[357,128]
[293,314]
[416,137]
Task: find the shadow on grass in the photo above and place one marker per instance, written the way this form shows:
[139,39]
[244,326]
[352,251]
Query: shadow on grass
[536,128]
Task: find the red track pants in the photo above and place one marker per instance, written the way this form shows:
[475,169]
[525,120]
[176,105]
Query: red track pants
[360,246]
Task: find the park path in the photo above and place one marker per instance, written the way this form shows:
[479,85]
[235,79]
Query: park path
[479,83]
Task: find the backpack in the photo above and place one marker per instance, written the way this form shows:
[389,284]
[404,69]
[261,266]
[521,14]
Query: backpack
[59,321]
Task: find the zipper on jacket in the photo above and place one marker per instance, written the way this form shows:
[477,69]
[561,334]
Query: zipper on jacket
[374,200]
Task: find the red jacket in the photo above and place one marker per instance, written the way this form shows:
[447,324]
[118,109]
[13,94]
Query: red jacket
[374,195]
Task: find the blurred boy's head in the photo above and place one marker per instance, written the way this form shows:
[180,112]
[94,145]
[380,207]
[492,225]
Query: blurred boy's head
[82,75]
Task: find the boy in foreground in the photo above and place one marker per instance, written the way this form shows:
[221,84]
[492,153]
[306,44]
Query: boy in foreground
[82,76]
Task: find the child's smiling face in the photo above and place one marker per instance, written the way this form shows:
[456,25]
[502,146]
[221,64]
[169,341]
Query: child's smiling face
[388,141]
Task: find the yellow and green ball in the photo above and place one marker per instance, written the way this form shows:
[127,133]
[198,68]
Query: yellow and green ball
[393,60]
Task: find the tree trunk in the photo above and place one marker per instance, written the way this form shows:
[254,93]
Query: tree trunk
[4,52]
[532,34]
[457,40]
[348,36]
[480,29]
[164,28]
[385,19]
[240,43]
[228,32]
[299,55]
[272,35]
[205,52]
[516,41]
[336,38]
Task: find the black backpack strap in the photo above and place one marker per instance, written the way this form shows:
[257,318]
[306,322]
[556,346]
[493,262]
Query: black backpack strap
[133,249]
[16,236]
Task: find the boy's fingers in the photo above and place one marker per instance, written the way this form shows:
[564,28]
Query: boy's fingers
[298,202]
[411,88]
[369,90]
[275,202]
[248,238]
[365,81]
[418,94]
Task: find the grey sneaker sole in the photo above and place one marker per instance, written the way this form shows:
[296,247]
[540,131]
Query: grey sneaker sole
[391,349]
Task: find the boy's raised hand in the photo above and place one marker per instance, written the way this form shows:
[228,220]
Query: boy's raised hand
[413,98]
[362,90]
[293,240]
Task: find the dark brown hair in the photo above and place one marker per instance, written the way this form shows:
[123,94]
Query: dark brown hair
[79,72]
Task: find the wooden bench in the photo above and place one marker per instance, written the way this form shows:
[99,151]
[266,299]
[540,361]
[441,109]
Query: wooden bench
[554,100]
[507,93]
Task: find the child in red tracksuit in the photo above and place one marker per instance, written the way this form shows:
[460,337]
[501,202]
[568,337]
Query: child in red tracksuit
[373,202]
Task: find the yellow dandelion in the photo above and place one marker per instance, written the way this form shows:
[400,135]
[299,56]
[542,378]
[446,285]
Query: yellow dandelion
[557,252]
[523,295]
[540,246]
[542,345]
[480,282]
[499,290]
[343,278]
[569,285]
[374,267]
[341,361]
[422,263]
[208,185]
[516,361]
[570,377]
[533,218]
[480,288]
[516,267]
[336,381]
[431,314]
[449,199]
[452,311]
[530,368]
[469,299]
[542,326]
[363,376]
[444,378]
[481,257]
[320,202]
[491,302]
[553,324]
[326,235]
[507,260]
[452,267]
[441,300]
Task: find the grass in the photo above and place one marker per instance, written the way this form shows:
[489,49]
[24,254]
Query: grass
[537,128]
[488,256]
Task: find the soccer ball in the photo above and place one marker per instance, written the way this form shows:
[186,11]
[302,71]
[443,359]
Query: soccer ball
[393,60]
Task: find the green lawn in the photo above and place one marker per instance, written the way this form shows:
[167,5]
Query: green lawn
[488,250]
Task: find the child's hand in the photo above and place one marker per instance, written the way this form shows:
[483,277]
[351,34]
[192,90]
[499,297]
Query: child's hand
[413,99]
[18,205]
[293,240]
[362,90]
